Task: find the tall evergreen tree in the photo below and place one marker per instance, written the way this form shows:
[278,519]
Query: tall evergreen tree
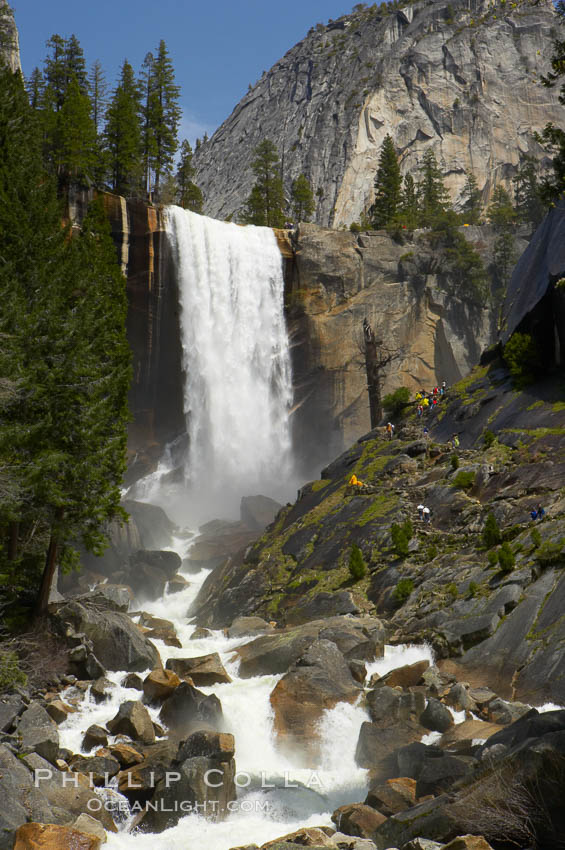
[75,64]
[76,136]
[471,208]
[35,88]
[55,70]
[388,187]
[189,195]
[302,199]
[528,201]
[122,135]
[434,197]
[62,434]
[266,203]
[502,216]
[409,203]
[147,135]
[97,89]
[162,114]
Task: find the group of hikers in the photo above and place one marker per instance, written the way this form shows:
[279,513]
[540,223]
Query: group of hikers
[424,514]
[537,512]
[429,401]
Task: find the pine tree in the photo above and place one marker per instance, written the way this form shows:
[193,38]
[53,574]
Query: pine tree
[55,70]
[409,205]
[388,187]
[76,136]
[35,88]
[97,89]
[122,135]
[64,349]
[356,565]
[189,195]
[302,199]
[471,208]
[502,216]
[265,204]
[147,136]
[75,65]
[434,198]
[162,114]
[528,201]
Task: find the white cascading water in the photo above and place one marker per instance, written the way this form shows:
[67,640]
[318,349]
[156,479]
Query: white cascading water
[236,362]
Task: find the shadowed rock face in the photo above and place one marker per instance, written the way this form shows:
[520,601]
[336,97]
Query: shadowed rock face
[457,78]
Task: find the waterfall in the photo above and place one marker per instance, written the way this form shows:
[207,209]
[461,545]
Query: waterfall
[236,362]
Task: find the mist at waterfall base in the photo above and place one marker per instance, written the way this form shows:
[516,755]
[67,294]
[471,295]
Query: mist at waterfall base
[236,371]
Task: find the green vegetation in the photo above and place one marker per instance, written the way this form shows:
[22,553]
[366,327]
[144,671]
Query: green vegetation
[488,438]
[491,535]
[471,209]
[356,564]
[550,552]
[395,402]
[523,359]
[473,589]
[65,362]
[388,182]
[401,535]
[452,591]
[454,461]
[431,552]
[10,672]
[535,537]
[265,204]
[403,589]
[302,199]
[464,479]
[492,558]
[506,558]
[188,194]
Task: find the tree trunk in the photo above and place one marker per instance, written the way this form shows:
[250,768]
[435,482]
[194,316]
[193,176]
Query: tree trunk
[49,570]
[372,366]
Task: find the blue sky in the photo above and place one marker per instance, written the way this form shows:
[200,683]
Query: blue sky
[217,48]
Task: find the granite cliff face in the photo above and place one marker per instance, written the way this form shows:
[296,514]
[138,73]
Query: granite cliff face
[9,41]
[460,78]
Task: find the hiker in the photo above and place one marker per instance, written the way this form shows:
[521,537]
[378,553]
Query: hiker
[455,441]
[426,513]
[426,432]
[425,402]
[418,396]
[541,512]
[420,512]
[534,514]
[420,410]
[354,481]
[390,430]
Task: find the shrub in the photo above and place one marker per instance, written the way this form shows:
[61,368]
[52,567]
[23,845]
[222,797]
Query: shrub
[403,589]
[488,438]
[357,568]
[506,558]
[401,535]
[492,558]
[523,359]
[464,479]
[10,672]
[394,403]
[451,590]
[473,588]
[454,460]
[550,552]
[535,537]
[491,535]
[431,552]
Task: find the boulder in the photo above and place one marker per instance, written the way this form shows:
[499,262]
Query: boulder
[159,685]
[306,837]
[100,689]
[392,796]
[164,560]
[243,626]
[111,597]
[357,819]
[85,823]
[468,842]
[38,733]
[321,605]
[203,774]
[188,709]
[41,836]
[117,642]
[154,527]
[257,512]
[133,681]
[319,680]
[436,717]
[99,769]
[432,818]
[200,633]
[11,707]
[378,743]
[138,781]
[58,710]
[95,736]
[133,719]
[503,712]
[459,698]
[385,704]
[407,676]
[126,755]
[204,670]
[177,584]
[439,774]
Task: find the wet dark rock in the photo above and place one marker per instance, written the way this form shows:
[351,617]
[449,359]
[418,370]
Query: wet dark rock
[322,605]
[357,819]
[10,709]
[100,689]
[436,717]
[154,527]
[132,680]
[257,512]
[392,796]
[99,768]
[188,709]
[95,736]
[133,719]
[439,774]
[204,670]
